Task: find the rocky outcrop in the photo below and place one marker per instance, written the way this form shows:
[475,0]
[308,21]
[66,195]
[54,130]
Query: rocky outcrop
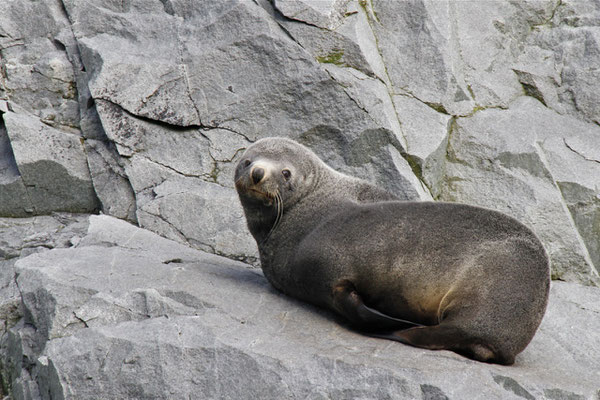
[139,110]
[124,313]
[159,99]
[20,238]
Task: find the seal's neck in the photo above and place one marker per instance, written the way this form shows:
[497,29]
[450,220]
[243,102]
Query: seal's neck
[260,218]
[302,217]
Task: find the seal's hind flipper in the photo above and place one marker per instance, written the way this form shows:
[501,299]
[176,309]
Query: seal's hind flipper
[439,337]
[350,304]
[382,320]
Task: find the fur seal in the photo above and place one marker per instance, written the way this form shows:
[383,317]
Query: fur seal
[429,274]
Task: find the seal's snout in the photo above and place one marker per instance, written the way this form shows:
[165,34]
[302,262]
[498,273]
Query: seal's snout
[257,174]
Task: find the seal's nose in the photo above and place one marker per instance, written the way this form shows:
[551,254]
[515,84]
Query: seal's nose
[257,174]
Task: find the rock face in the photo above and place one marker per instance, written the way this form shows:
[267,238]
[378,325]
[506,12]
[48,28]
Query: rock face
[124,313]
[140,110]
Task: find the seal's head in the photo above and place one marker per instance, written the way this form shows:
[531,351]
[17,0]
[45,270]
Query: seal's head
[272,175]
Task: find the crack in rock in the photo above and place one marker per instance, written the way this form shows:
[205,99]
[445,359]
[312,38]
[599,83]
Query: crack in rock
[549,19]
[582,246]
[578,153]
[152,120]
[172,169]
[84,322]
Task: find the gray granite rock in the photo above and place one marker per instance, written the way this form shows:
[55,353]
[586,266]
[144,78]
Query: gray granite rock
[183,210]
[52,165]
[35,79]
[166,95]
[127,314]
[141,110]
[13,194]
[19,238]
[426,132]
[37,74]
[320,13]
[417,44]
[569,39]
[534,175]
[42,81]
[189,130]
[111,183]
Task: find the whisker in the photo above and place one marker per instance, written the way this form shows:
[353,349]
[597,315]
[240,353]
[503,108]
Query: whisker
[279,204]
[279,210]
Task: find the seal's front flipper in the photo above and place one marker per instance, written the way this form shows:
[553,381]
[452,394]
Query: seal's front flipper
[349,303]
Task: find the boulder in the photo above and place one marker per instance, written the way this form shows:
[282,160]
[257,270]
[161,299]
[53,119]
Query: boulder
[20,238]
[128,314]
[52,165]
[42,116]
[36,72]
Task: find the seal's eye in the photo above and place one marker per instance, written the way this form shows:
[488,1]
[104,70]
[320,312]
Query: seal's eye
[245,163]
[286,173]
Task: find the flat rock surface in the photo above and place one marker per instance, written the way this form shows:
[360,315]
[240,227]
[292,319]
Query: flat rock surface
[128,314]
